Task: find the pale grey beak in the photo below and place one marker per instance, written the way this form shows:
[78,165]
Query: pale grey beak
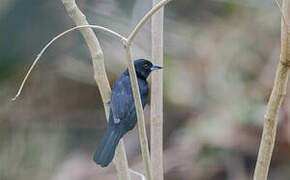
[155,67]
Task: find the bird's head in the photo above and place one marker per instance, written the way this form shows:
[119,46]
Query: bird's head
[144,67]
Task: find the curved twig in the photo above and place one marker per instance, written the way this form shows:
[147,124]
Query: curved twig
[145,19]
[138,174]
[119,36]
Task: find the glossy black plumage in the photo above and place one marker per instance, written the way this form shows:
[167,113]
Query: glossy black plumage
[123,116]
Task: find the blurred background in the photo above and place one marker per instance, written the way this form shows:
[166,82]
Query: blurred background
[219,67]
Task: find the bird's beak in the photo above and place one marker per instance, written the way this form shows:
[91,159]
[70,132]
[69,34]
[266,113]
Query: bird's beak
[155,67]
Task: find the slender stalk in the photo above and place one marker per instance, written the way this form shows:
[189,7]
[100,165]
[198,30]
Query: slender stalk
[140,113]
[145,19]
[35,61]
[96,52]
[275,101]
[135,88]
[156,110]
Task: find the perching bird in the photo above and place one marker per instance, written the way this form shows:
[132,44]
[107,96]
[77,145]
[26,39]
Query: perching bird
[123,116]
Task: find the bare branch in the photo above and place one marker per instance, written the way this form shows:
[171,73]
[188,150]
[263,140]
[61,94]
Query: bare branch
[120,159]
[275,101]
[117,35]
[145,19]
[156,105]
[135,88]
[282,14]
[140,113]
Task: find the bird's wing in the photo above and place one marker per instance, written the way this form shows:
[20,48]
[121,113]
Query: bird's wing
[122,100]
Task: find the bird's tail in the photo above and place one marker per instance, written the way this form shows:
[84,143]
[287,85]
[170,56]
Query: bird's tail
[106,150]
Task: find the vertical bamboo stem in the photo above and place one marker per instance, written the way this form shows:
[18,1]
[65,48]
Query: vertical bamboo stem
[157,96]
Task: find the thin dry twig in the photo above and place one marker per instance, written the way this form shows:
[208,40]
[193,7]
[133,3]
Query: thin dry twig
[52,41]
[156,110]
[277,96]
[145,19]
[135,88]
[140,113]
[282,14]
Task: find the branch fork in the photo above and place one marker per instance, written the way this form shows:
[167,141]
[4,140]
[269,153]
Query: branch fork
[102,80]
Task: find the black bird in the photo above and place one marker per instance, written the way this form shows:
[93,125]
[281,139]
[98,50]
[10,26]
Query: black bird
[123,116]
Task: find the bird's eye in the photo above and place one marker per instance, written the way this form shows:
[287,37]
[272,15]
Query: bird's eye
[146,66]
